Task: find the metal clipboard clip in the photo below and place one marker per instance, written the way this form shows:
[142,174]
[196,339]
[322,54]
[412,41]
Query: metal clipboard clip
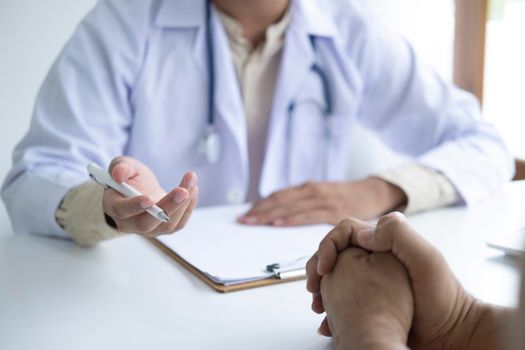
[288,270]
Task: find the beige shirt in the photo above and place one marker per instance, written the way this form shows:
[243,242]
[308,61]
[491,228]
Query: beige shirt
[257,68]
[80,214]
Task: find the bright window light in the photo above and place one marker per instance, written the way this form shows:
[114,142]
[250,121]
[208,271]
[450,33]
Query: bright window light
[504,101]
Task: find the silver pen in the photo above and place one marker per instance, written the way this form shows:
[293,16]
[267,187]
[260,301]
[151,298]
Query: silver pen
[102,177]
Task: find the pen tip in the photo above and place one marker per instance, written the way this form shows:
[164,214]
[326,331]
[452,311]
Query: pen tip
[164,217]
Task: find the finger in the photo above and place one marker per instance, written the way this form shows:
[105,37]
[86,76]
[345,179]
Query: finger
[148,224]
[119,207]
[317,303]
[336,241]
[393,234]
[174,204]
[313,279]
[189,180]
[312,217]
[288,195]
[187,214]
[172,226]
[180,217]
[123,168]
[324,328]
[279,214]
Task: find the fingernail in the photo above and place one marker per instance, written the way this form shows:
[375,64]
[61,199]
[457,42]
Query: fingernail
[180,197]
[279,222]
[193,181]
[145,204]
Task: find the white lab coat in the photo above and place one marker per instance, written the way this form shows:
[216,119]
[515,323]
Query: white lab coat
[133,80]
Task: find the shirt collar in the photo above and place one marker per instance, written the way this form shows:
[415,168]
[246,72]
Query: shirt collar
[308,14]
[234,30]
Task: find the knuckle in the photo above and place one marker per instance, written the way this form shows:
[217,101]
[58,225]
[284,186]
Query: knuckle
[302,217]
[324,243]
[285,209]
[115,212]
[313,187]
[322,190]
[309,264]
[107,202]
[182,223]
[116,161]
[277,197]
[263,218]
[123,227]
[309,186]
[168,228]
[151,234]
[345,223]
[349,254]
[120,212]
[291,221]
[336,213]
[174,227]
[394,218]
[143,226]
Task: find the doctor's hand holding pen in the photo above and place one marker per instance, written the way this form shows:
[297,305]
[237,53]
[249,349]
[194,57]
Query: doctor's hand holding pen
[130,214]
[324,202]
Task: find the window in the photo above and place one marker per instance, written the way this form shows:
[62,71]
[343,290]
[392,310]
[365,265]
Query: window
[504,101]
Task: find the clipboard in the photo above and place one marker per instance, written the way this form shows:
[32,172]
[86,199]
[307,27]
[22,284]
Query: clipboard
[220,288]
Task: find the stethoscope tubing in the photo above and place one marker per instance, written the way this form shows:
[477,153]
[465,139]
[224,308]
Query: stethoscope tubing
[211,128]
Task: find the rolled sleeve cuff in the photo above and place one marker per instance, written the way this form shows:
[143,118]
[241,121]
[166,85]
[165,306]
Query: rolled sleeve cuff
[82,217]
[424,187]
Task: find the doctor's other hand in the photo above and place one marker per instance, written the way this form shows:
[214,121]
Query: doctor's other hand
[445,315]
[325,202]
[129,214]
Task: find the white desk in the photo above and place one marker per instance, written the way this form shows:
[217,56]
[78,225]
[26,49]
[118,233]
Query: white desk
[124,294]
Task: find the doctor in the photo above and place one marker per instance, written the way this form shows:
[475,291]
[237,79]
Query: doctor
[257,98]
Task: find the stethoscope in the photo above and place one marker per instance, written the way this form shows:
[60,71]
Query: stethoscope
[210,146]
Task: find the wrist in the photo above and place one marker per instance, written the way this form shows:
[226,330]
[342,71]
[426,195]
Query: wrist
[388,196]
[378,342]
[490,327]
[372,334]
[481,326]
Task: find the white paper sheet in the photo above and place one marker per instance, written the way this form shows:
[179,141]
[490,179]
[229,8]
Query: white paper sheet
[230,253]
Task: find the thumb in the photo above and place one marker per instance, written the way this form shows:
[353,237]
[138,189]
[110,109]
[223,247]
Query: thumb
[122,169]
[394,234]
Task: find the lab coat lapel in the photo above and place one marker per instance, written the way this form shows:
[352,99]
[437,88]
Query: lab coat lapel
[228,100]
[296,63]
[228,107]
[308,19]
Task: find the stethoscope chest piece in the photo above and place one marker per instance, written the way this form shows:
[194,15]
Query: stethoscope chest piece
[210,146]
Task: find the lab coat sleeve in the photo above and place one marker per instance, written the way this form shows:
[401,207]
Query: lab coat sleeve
[82,114]
[417,113]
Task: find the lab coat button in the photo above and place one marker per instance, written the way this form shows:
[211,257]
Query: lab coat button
[234,196]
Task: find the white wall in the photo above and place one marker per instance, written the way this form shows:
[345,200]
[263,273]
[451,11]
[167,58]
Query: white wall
[429,26]
[32,32]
